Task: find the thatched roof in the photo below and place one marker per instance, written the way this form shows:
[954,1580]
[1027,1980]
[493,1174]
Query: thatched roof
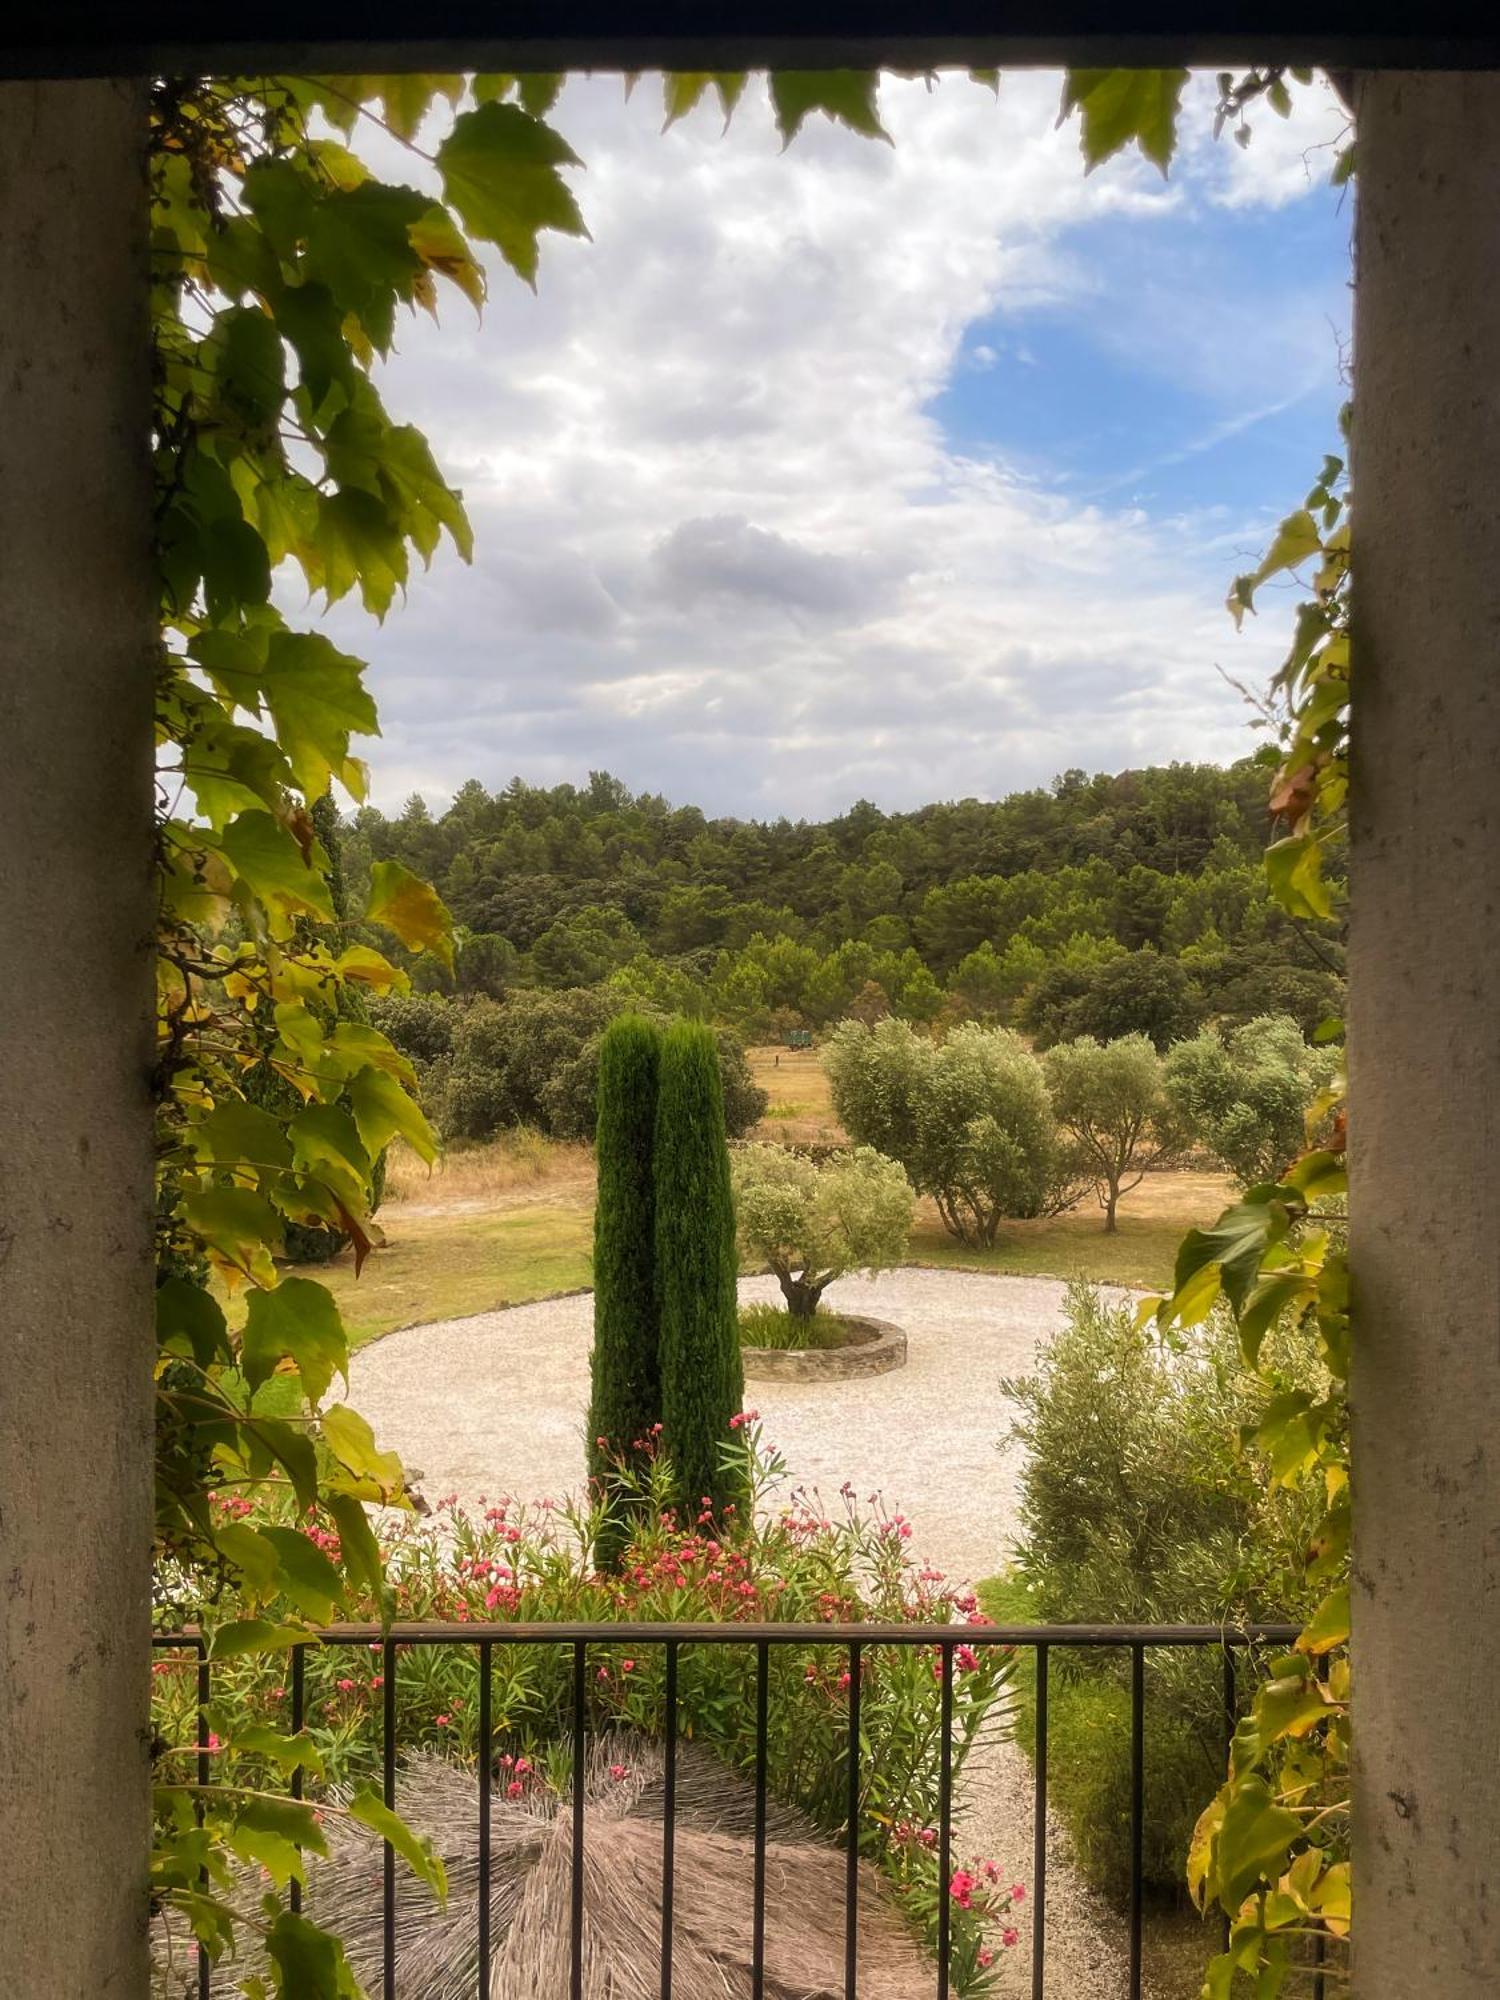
[531,1872]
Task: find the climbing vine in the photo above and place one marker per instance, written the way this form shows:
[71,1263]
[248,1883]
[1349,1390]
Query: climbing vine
[280,264]
[1272,1848]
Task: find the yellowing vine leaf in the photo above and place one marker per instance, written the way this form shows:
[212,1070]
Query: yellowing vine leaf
[410,908]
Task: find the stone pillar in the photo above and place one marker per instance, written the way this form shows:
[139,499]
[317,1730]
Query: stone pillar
[76,639]
[1424,1038]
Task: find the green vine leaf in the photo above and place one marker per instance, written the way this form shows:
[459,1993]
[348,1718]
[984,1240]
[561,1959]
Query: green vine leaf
[847,96]
[500,170]
[371,1811]
[297,1322]
[1119,106]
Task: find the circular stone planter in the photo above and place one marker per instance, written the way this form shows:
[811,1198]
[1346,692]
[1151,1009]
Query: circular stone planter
[874,1347]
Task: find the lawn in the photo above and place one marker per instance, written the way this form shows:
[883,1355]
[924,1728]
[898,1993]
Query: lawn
[443,1266]
[443,1260]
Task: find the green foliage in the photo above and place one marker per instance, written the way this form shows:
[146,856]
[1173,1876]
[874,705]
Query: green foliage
[969,1119]
[811,1221]
[1110,1099]
[765,1325]
[696,1270]
[625,1404]
[957,908]
[1245,1092]
[1134,993]
[509,1059]
[1141,1502]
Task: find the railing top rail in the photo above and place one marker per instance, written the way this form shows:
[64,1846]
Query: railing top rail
[448,1633]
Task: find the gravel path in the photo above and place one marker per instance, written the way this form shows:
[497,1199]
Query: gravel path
[493,1404]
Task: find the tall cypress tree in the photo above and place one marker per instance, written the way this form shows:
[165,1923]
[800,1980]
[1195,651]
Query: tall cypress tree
[696,1267]
[626,1398]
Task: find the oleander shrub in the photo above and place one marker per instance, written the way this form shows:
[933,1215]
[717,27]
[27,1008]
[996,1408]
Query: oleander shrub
[777,1561]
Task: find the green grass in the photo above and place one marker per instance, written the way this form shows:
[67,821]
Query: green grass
[445,1267]
[1063,1246]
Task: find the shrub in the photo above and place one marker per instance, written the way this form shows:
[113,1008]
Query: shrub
[1141,1503]
[969,1119]
[1246,1091]
[697,1268]
[420,1025]
[1088,1760]
[813,1221]
[504,1055]
[765,1325]
[625,1405]
[780,1563]
[1129,993]
[571,1096]
[1110,1098]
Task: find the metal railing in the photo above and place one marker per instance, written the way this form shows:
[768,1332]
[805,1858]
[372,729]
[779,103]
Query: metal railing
[1042,1641]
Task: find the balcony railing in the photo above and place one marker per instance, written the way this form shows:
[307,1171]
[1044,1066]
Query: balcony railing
[857,1642]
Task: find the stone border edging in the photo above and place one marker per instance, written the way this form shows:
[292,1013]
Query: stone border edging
[847,1362]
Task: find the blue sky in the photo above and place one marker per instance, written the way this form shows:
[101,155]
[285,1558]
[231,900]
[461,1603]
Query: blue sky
[1097,398]
[906,472]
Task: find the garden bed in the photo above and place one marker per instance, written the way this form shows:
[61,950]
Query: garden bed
[867,1347]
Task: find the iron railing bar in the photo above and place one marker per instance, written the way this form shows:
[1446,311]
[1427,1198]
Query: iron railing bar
[299,1699]
[762,1726]
[388,1792]
[205,1693]
[851,1860]
[486,1779]
[668,1817]
[1039,1832]
[1137,1808]
[580,1690]
[733,1634]
[945,1817]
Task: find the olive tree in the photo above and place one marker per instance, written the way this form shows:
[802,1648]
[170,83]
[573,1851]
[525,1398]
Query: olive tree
[1246,1091]
[968,1117]
[812,1221]
[1110,1098]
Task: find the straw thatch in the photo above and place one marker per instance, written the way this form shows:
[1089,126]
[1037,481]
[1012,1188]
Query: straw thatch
[531,1877]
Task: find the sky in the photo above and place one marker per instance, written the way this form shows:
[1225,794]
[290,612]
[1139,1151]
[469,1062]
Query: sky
[901,472]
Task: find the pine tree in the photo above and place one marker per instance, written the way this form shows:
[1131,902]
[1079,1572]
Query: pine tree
[696,1267]
[626,1399]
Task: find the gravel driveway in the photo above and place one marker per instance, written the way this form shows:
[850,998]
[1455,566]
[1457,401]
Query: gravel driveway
[494,1404]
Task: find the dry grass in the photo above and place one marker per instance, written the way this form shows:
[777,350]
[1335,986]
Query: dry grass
[801,1108]
[522,1164]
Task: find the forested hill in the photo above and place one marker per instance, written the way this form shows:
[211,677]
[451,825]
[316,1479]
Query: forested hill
[571,886]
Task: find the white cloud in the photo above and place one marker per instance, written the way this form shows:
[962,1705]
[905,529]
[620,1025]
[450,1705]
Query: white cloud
[722,546]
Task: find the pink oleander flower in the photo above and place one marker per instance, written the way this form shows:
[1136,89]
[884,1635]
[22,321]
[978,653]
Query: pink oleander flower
[1009,1937]
[442,1721]
[627,1666]
[345,1686]
[1018,1892]
[961,1888]
[619,1772]
[514,1790]
[986,1960]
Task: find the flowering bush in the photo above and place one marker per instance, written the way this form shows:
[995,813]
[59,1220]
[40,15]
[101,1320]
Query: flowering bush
[792,1560]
